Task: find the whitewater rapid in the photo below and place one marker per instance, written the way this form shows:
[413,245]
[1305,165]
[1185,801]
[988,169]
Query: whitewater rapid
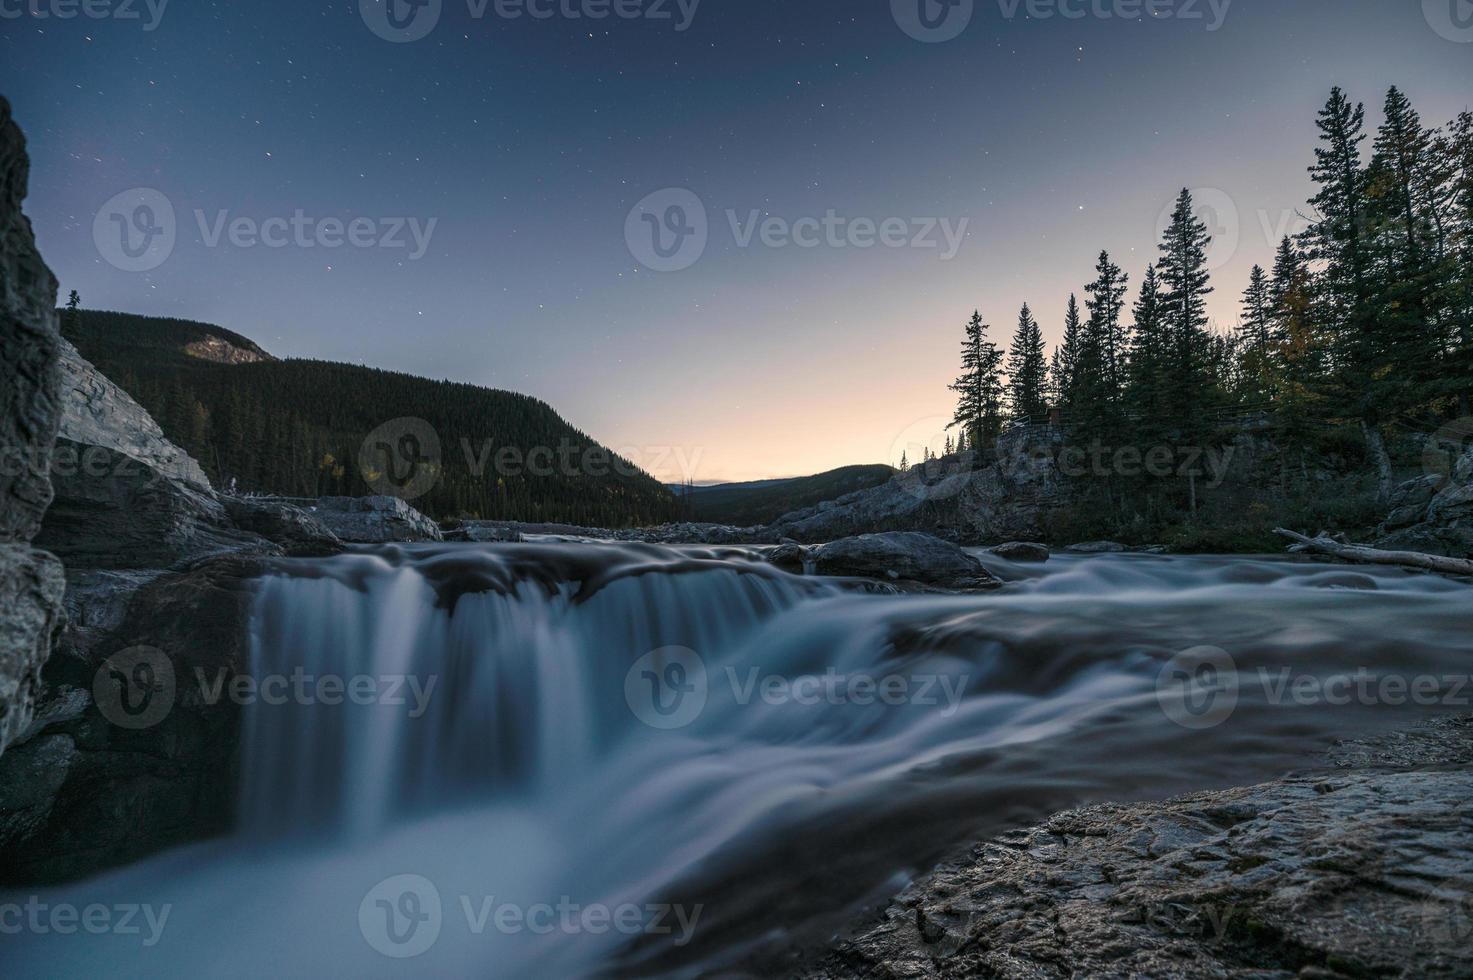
[654,760]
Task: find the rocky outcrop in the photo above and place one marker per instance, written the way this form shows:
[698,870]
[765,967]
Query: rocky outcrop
[297,531]
[968,497]
[901,556]
[114,511]
[89,787]
[1433,513]
[375,520]
[1364,871]
[222,351]
[31,582]
[96,412]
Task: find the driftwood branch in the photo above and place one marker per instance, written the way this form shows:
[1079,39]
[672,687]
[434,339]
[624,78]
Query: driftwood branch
[1374,556]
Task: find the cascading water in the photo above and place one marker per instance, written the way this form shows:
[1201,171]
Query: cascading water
[733,759]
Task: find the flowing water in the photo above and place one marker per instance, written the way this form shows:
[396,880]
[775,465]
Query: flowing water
[578,759]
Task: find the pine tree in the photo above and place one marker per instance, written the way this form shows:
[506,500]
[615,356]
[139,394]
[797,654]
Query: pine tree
[1256,351]
[1405,191]
[979,409]
[1028,369]
[1150,348]
[1106,333]
[1458,152]
[1066,356]
[1341,240]
[1185,282]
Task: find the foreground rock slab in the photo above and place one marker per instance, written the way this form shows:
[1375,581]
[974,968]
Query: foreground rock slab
[902,556]
[1365,871]
[31,583]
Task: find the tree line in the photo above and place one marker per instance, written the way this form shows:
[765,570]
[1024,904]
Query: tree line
[298,427]
[1365,321]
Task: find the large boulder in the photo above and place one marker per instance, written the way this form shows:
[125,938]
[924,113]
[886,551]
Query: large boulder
[114,511]
[902,556]
[31,583]
[299,532]
[96,412]
[375,520]
[1433,513]
[87,787]
[972,497]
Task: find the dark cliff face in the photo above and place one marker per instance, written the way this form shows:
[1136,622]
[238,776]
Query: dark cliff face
[31,583]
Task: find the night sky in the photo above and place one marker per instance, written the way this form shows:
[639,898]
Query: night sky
[529,141]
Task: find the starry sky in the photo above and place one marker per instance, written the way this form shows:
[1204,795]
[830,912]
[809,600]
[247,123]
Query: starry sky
[529,142]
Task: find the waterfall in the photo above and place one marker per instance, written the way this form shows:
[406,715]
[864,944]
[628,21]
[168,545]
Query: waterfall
[494,694]
[643,727]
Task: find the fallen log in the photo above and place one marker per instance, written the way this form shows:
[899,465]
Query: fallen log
[1374,556]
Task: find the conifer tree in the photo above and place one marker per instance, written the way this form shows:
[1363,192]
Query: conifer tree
[1256,352]
[1027,369]
[1341,241]
[1106,300]
[1066,355]
[979,408]
[1185,282]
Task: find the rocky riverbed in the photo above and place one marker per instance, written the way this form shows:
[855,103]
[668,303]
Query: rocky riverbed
[1364,869]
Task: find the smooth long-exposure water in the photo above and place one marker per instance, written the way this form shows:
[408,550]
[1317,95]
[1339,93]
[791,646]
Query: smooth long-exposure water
[646,760]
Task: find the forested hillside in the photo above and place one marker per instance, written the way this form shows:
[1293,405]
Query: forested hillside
[746,504]
[298,427]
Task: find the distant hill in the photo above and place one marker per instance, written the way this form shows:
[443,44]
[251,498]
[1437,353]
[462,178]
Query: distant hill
[764,501]
[298,427]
